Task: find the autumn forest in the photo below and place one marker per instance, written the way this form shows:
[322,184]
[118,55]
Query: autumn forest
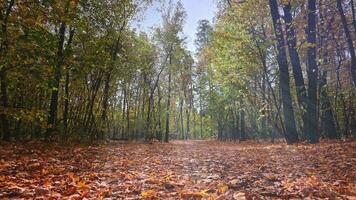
[92,106]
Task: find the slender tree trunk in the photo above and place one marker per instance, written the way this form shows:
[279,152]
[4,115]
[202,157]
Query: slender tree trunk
[148,132]
[291,130]
[353,14]
[328,121]
[182,133]
[166,137]
[187,113]
[3,74]
[4,104]
[295,61]
[242,122]
[311,127]
[128,128]
[124,111]
[66,105]
[349,40]
[66,90]
[53,108]
[237,124]
[159,114]
[201,114]
[105,103]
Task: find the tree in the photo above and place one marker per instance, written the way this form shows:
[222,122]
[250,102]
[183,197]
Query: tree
[3,74]
[295,60]
[291,132]
[311,127]
[348,39]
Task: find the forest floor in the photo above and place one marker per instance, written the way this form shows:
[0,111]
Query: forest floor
[178,170]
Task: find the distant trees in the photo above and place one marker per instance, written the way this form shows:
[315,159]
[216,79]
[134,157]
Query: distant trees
[75,70]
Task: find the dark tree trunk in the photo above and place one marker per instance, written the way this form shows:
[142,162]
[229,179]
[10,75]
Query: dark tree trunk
[105,103]
[349,40]
[264,109]
[201,114]
[311,127]
[242,122]
[123,133]
[3,75]
[4,104]
[166,136]
[291,134]
[181,102]
[295,60]
[66,105]
[148,132]
[237,125]
[53,108]
[328,121]
[353,14]
[128,125]
[159,114]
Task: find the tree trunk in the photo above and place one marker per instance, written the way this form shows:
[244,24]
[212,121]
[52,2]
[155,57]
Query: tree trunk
[201,114]
[66,105]
[291,134]
[3,75]
[66,90]
[237,124]
[182,133]
[353,14]
[328,121]
[4,104]
[128,125]
[311,127]
[242,122]
[295,61]
[123,133]
[53,108]
[349,40]
[159,114]
[148,120]
[166,137]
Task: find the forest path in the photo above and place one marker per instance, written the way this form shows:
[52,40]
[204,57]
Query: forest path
[178,170]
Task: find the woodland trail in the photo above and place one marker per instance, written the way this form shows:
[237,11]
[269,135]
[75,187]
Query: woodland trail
[178,170]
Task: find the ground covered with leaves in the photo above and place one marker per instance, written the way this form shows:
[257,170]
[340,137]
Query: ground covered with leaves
[178,170]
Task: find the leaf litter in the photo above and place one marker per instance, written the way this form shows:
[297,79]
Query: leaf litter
[178,170]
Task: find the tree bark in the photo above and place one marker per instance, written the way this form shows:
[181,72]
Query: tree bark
[53,108]
[66,90]
[3,74]
[348,40]
[353,14]
[311,127]
[328,121]
[242,122]
[166,137]
[295,61]
[291,134]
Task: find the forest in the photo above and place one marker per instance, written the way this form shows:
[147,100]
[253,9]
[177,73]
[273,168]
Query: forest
[93,107]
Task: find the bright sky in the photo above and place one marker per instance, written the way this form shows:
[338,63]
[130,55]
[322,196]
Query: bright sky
[196,10]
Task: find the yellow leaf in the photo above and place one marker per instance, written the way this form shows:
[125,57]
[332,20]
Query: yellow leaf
[148,194]
[82,185]
[204,192]
[222,189]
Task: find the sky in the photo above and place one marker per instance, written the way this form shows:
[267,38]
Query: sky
[196,10]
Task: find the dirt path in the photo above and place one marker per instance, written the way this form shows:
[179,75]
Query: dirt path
[179,170]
